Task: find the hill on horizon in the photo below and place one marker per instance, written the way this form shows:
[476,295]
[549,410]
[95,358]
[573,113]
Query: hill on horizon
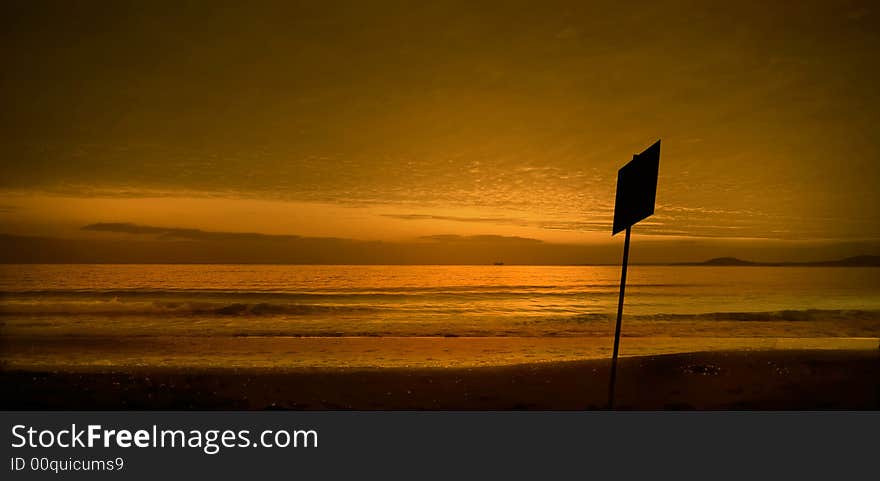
[854,261]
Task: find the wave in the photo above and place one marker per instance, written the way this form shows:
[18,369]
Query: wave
[783,315]
[330,292]
[242,307]
[116,308]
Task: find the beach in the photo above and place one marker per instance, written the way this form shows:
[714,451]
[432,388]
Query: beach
[722,380]
[708,380]
[436,337]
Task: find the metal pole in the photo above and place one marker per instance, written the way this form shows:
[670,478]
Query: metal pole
[619,318]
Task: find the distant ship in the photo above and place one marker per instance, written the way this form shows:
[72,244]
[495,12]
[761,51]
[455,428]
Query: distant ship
[498,263]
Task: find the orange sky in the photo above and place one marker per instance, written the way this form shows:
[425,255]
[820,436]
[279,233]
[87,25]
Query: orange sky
[400,122]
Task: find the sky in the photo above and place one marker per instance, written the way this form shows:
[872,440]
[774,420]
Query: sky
[441,132]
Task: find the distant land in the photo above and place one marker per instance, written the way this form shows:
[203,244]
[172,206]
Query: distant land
[855,261]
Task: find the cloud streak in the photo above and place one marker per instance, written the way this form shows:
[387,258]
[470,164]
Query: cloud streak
[544,224]
[180,233]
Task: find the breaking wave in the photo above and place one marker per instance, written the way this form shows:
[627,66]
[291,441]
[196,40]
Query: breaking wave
[165,308]
[784,315]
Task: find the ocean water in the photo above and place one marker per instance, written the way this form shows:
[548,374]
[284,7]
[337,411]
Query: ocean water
[56,305]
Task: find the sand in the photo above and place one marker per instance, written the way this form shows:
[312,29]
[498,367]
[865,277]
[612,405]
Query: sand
[764,379]
[125,353]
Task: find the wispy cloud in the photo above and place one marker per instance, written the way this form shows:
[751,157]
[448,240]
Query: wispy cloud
[180,233]
[597,225]
[453,218]
[482,239]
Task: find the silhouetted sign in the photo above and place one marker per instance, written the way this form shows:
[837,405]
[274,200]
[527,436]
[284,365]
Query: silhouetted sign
[636,188]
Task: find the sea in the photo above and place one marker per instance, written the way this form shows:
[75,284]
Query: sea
[343,315]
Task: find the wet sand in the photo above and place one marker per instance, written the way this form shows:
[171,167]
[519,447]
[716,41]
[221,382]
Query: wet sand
[125,353]
[765,379]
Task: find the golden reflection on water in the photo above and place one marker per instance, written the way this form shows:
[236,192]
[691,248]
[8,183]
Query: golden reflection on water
[378,316]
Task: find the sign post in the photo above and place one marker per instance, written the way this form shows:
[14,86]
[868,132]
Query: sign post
[634,201]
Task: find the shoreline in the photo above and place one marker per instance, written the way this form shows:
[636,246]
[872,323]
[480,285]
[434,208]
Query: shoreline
[786,379]
[193,353]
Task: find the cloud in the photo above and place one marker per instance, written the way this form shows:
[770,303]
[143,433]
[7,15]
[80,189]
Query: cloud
[453,218]
[150,244]
[530,108]
[482,239]
[182,233]
[597,225]
[179,233]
